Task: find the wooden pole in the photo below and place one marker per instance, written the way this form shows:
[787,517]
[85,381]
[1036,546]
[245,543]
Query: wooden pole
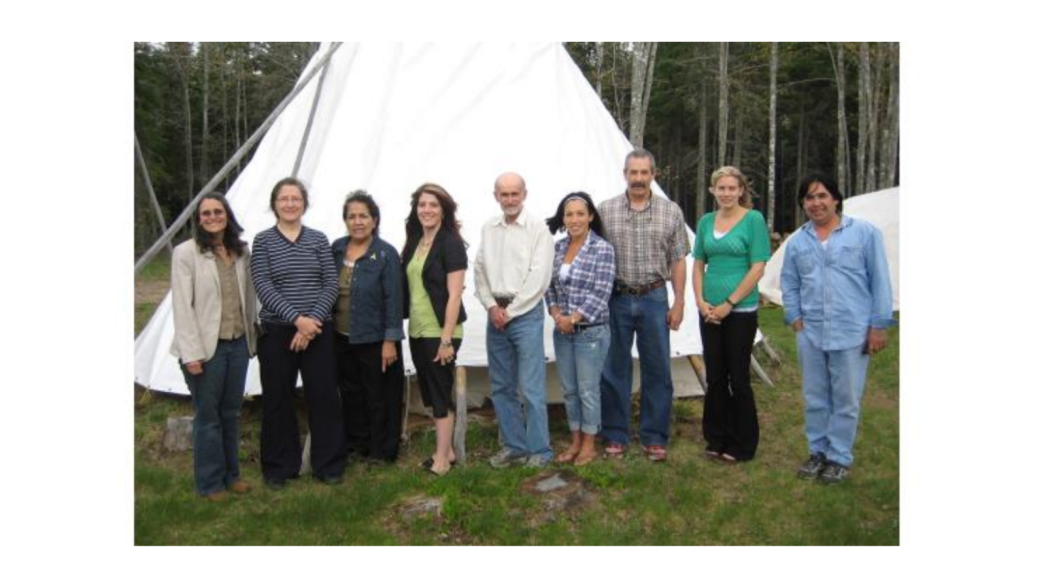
[758,369]
[240,154]
[149,186]
[404,437]
[774,357]
[308,125]
[699,370]
[461,416]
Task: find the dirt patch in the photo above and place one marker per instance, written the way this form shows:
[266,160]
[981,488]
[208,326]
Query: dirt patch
[150,291]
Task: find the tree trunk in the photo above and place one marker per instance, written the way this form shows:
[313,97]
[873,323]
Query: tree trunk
[770,192]
[739,131]
[182,62]
[205,114]
[891,132]
[874,103]
[642,78]
[841,150]
[800,166]
[599,71]
[225,111]
[702,154]
[864,89]
[724,117]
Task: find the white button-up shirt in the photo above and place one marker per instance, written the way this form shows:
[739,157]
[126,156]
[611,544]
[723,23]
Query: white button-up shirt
[514,260]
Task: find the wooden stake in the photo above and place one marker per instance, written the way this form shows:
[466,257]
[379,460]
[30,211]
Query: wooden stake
[461,416]
[758,369]
[698,364]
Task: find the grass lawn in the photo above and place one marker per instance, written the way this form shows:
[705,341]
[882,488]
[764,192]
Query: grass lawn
[688,501]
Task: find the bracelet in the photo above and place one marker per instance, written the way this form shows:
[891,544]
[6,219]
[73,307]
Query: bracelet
[730,302]
[446,344]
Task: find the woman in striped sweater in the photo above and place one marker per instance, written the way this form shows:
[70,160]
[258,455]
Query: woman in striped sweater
[297,284]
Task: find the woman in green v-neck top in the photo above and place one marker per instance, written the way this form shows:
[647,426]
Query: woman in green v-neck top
[731,247]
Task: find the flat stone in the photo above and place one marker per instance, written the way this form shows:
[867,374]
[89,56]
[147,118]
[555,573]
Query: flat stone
[421,506]
[552,483]
[178,436]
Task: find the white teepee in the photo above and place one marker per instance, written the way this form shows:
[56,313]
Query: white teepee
[392,116]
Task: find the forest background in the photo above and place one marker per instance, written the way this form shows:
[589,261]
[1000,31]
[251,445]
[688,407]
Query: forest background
[774,110]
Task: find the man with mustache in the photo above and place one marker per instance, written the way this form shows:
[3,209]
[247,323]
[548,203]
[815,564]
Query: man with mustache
[650,243]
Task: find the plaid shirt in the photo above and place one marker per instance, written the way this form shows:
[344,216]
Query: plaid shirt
[589,280]
[647,242]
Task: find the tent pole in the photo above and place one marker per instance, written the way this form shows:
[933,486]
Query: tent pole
[308,125]
[404,437]
[699,370]
[758,369]
[149,186]
[461,418]
[774,357]
[240,154]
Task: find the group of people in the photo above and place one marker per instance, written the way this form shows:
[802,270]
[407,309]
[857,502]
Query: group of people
[334,314]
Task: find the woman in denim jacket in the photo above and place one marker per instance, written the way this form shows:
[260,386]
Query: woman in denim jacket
[368,318]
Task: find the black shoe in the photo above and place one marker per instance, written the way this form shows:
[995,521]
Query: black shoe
[813,467]
[428,463]
[275,484]
[331,480]
[833,473]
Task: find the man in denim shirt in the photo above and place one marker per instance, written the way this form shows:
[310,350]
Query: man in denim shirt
[837,297]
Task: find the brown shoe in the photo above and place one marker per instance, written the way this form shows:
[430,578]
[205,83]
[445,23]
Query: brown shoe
[218,496]
[239,487]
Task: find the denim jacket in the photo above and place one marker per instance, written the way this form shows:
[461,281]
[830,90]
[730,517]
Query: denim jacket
[376,295]
[840,291]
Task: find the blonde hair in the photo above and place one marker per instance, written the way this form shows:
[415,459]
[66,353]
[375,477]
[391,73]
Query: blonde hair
[730,171]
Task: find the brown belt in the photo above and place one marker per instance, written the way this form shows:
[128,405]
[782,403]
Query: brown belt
[503,301]
[622,288]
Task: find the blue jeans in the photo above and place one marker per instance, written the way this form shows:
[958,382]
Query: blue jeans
[642,317]
[217,395]
[579,361]
[516,361]
[833,384]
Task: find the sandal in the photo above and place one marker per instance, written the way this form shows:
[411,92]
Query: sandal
[585,458]
[614,450]
[655,453]
[727,459]
[428,463]
[566,457]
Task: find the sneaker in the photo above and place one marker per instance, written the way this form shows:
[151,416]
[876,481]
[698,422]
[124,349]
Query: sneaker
[834,473]
[276,484]
[239,487]
[331,479]
[536,461]
[813,467]
[506,458]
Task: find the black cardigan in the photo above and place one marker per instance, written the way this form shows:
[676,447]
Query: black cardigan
[446,256]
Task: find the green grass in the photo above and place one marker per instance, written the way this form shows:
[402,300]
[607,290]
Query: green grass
[688,501]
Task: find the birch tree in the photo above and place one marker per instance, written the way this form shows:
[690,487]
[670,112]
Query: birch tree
[770,192]
[724,117]
[643,56]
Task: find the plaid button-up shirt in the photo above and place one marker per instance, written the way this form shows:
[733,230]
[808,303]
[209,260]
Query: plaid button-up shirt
[646,242]
[589,282]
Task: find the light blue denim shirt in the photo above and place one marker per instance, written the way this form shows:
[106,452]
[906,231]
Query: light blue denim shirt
[840,290]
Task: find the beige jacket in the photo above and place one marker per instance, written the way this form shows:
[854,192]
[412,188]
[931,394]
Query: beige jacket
[197,300]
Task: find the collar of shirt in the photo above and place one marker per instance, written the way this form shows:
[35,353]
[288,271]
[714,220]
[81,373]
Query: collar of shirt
[844,222]
[521,220]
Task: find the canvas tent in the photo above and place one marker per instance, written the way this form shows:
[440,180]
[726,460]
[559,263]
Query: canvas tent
[392,116]
[882,209]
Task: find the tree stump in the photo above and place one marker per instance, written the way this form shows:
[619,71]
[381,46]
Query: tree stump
[178,436]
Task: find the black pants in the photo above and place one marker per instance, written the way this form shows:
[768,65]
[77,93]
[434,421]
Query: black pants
[280,443]
[436,381]
[372,401]
[730,422]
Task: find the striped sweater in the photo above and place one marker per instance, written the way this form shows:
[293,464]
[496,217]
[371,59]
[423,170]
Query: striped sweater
[293,278]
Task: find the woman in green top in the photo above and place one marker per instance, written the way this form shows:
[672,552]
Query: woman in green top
[731,247]
[434,263]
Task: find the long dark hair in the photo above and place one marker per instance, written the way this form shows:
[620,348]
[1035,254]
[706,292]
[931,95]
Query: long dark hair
[829,184]
[450,222]
[231,238]
[555,223]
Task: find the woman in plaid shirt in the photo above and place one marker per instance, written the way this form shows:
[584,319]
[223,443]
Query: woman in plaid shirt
[582,279]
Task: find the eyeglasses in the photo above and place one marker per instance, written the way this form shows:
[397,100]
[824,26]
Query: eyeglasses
[215,213]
